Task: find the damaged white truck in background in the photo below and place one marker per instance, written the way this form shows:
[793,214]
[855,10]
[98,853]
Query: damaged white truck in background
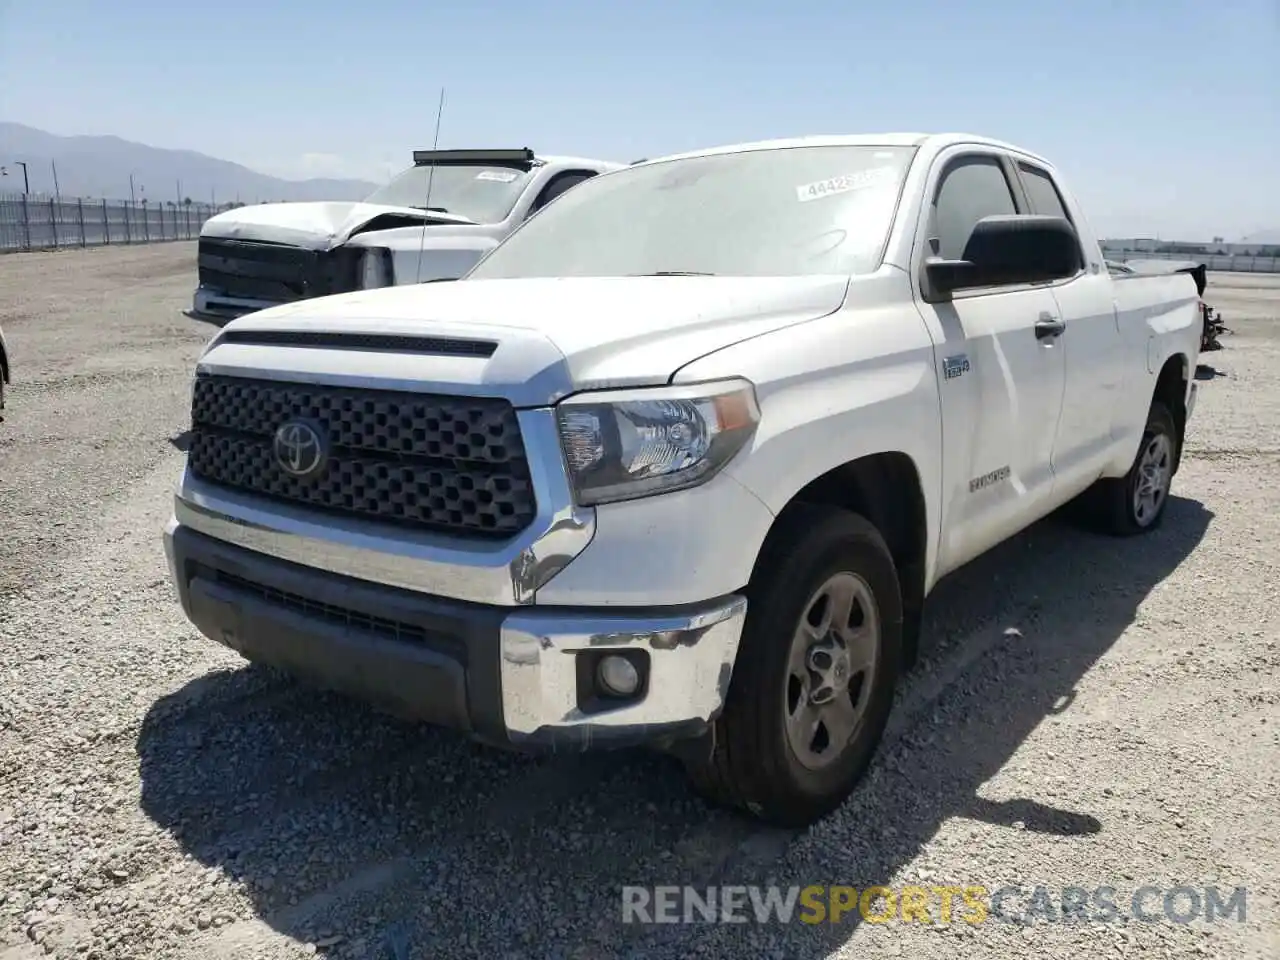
[431,222]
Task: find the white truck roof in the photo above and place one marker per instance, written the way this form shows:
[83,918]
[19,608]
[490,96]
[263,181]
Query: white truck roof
[938,141]
[579,161]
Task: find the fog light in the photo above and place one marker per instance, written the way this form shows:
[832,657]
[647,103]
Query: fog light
[618,676]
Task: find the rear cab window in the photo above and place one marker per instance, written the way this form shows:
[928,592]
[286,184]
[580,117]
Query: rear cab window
[558,185]
[1042,192]
[1044,198]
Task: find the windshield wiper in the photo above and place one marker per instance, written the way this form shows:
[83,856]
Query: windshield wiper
[672,273]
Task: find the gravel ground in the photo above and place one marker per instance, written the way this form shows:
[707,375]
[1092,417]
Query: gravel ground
[1109,714]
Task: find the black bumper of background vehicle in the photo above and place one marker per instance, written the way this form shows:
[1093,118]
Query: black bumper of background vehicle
[416,656]
[273,272]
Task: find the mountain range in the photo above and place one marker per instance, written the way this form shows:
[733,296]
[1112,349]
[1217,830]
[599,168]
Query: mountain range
[102,166]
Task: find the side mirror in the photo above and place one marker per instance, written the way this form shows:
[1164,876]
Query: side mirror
[1007,250]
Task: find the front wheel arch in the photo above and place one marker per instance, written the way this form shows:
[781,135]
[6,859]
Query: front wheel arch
[886,489]
[751,764]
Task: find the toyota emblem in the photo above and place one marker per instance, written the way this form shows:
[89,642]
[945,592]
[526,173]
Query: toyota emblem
[300,449]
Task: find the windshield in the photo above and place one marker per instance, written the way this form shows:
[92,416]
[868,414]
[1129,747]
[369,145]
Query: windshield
[479,193]
[791,211]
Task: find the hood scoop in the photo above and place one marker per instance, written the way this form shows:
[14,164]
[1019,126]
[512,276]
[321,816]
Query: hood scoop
[376,342]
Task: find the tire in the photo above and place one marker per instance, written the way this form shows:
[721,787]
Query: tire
[1118,506]
[756,764]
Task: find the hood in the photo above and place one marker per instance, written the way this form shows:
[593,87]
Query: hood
[550,337]
[316,226]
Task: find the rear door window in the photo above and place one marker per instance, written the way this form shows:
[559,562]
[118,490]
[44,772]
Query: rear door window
[1042,192]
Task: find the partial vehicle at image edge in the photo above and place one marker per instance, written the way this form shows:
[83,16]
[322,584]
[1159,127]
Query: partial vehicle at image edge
[4,372]
[685,484]
[432,221]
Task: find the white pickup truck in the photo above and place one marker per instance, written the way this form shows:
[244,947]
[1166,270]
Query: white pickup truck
[432,222]
[678,462]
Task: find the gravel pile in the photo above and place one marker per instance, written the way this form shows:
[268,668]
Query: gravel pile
[1090,713]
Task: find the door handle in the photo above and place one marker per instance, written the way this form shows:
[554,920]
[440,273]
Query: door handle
[1048,327]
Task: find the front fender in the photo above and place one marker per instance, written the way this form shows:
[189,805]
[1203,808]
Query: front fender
[831,390]
[890,408]
[859,382]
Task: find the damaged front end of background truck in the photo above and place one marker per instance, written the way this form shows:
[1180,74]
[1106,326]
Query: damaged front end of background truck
[432,222]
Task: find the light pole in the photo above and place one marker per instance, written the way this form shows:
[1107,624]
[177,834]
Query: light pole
[26,184]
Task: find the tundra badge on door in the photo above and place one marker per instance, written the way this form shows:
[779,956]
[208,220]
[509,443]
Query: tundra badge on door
[988,479]
[956,366]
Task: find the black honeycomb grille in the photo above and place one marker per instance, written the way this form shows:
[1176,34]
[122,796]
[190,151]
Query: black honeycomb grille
[454,464]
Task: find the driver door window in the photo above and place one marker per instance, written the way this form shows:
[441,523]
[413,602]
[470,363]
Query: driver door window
[973,188]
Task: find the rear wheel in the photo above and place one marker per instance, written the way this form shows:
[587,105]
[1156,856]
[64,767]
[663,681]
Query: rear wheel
[1136,502]
[815,671]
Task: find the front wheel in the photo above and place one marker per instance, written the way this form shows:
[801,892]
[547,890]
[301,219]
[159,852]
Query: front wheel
[815,671]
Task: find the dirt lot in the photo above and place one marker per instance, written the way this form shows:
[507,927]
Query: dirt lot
[1090,713]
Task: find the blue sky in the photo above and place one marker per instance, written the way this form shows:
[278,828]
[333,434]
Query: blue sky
[1165,114]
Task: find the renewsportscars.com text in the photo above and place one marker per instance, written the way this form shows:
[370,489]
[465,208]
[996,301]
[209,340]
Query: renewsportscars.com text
[973,904]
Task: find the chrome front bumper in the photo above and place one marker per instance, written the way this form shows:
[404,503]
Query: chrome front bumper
[690,657]
[519,676]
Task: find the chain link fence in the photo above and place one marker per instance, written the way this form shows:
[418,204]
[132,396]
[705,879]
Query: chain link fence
[40,222]
[1219,262]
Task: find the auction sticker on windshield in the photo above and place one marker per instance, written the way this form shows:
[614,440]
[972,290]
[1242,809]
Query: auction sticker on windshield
[845,184]
[499,176]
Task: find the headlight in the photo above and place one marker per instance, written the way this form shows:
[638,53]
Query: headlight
[375,269]
[626,444]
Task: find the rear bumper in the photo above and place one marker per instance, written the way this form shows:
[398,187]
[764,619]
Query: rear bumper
[522,677]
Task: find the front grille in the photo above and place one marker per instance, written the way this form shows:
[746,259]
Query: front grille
[453,464]
[346,617]
[272,271]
